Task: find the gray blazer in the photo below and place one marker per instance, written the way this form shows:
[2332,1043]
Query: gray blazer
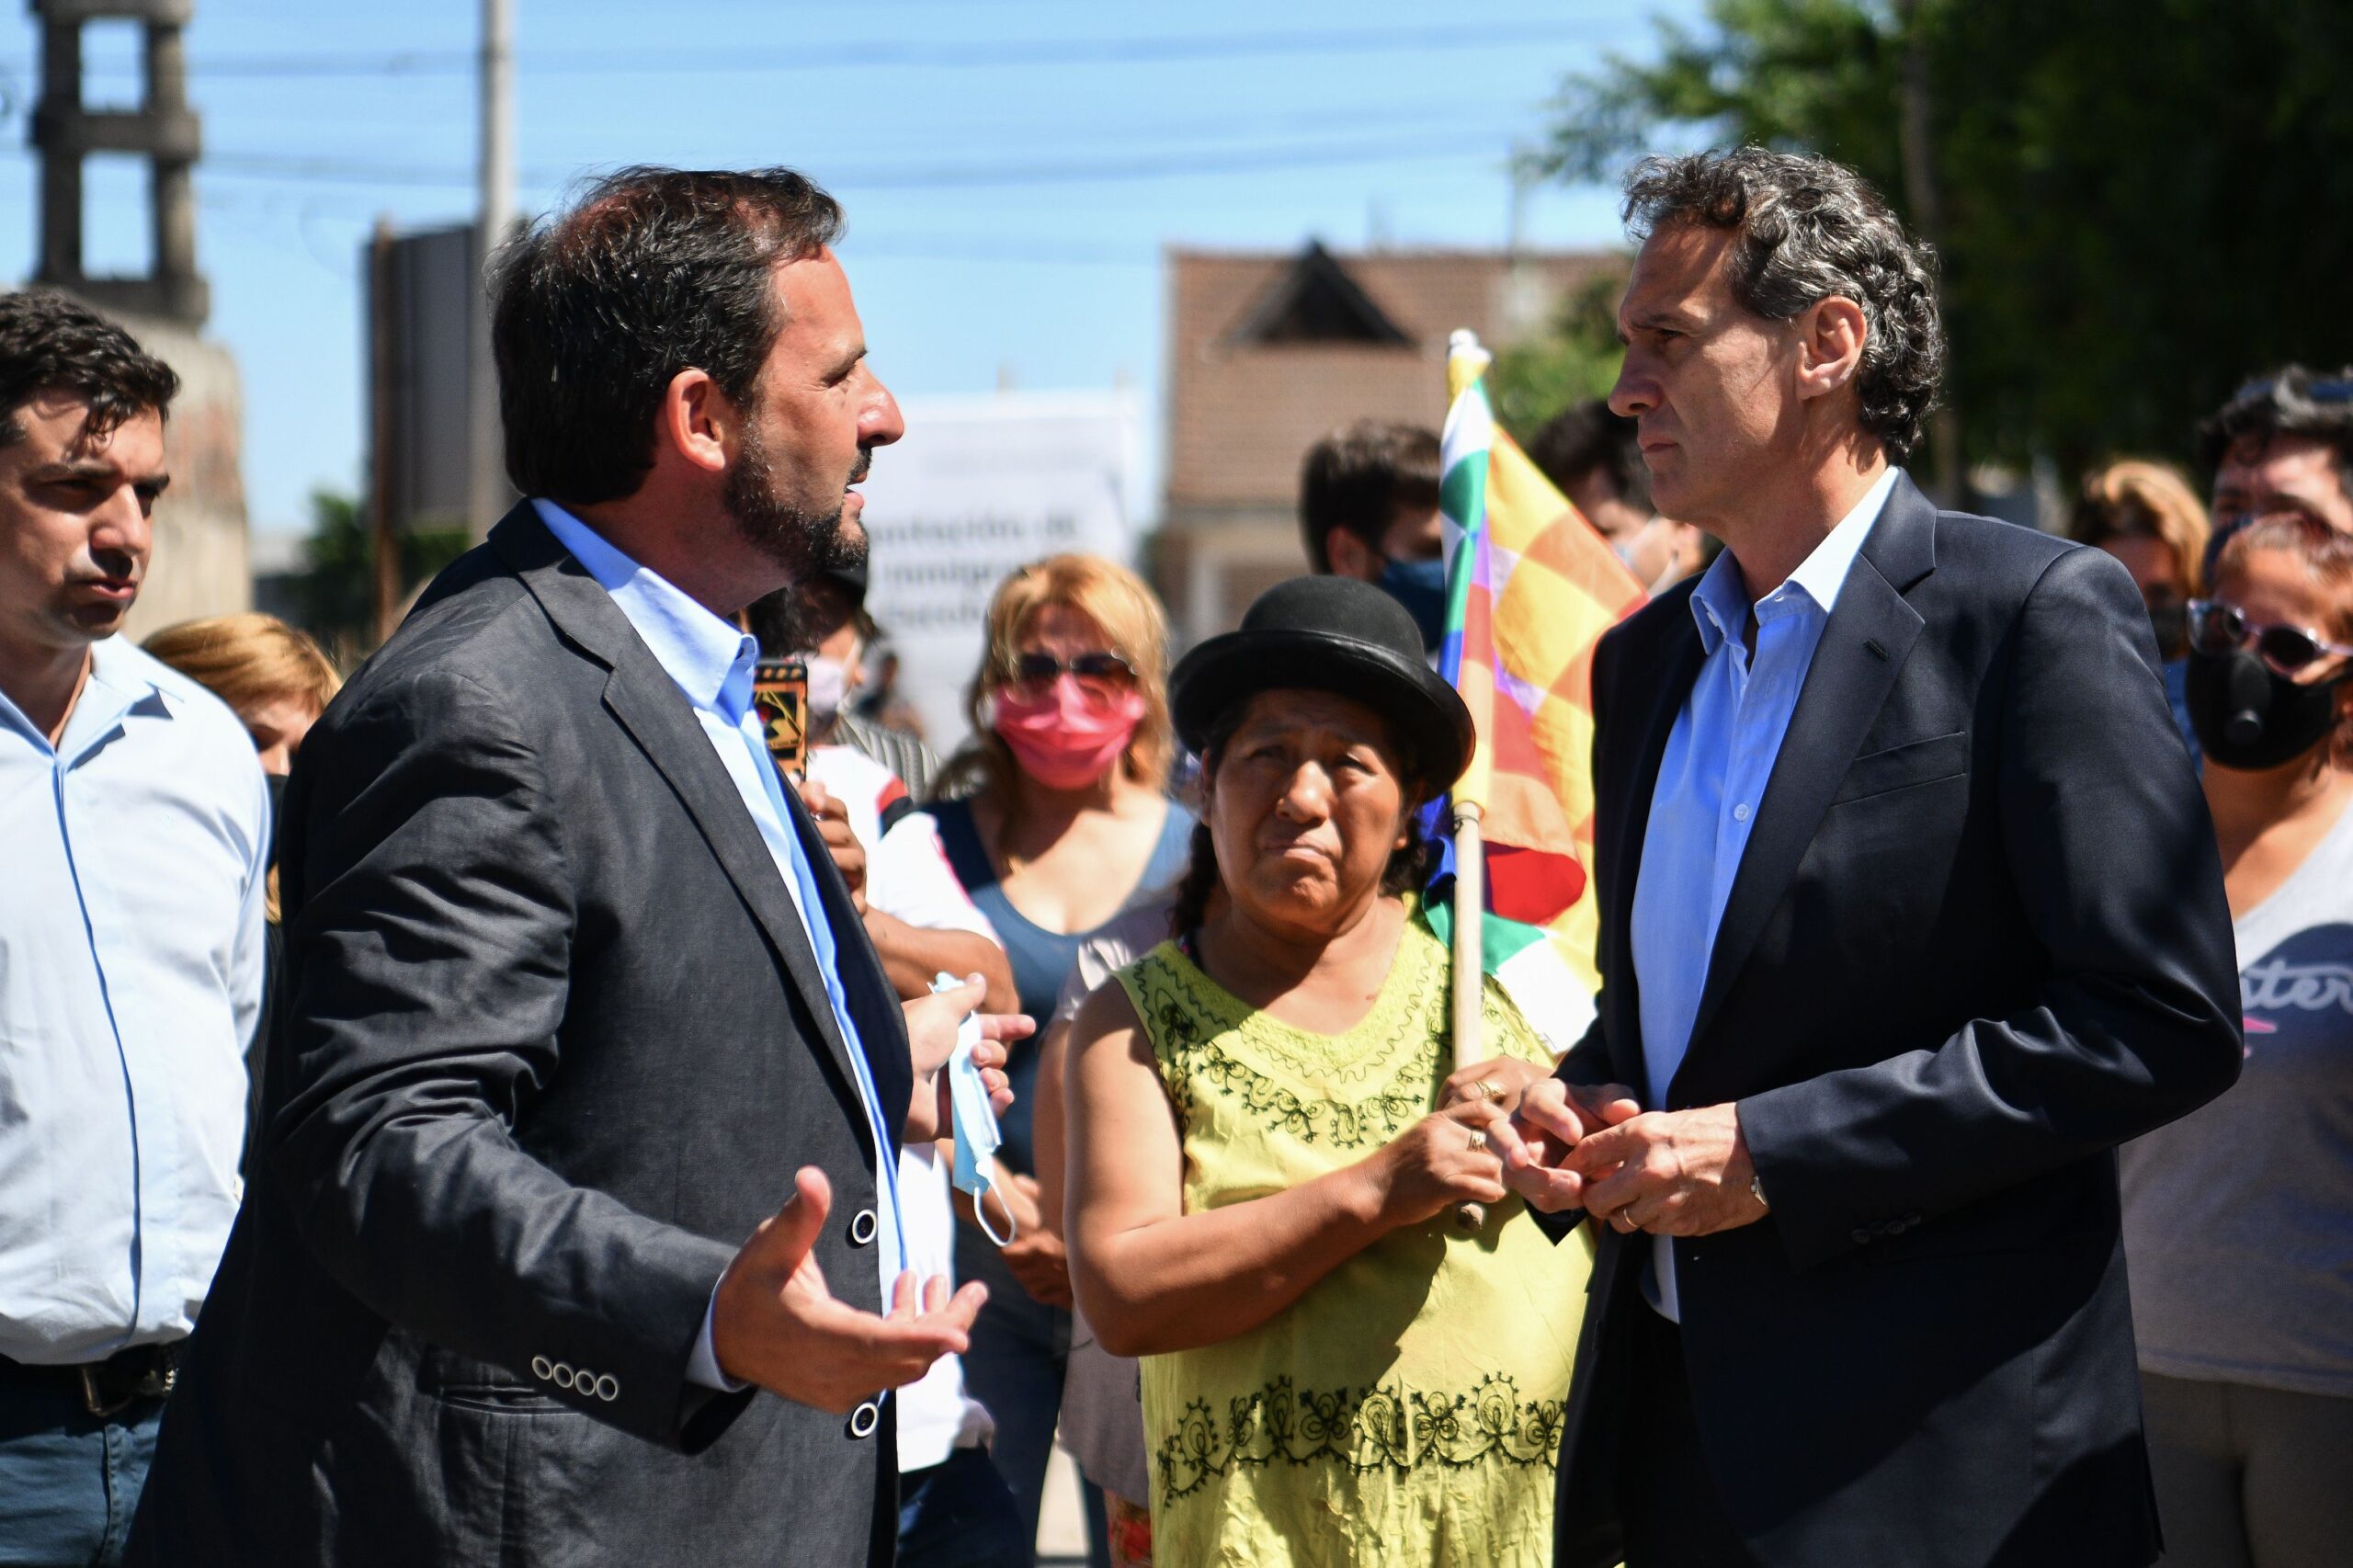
[551,1041]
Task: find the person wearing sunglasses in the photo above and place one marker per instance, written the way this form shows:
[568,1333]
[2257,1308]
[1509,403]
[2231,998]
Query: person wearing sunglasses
[1064,822]
[2147,516]
[2282,443]
[2238,1218]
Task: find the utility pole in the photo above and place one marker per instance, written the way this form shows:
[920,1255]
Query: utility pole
[1523,185]
[384,545]
[1526,302]
[487,491]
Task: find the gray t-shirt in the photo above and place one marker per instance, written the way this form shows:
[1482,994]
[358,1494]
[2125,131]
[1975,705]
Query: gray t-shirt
[2238,1218]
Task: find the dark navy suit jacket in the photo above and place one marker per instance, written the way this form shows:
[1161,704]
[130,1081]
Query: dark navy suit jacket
[1977,940]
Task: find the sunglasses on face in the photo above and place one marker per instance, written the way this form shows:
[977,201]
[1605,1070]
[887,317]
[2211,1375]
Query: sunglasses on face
[1098,671]
[2217,627]
[2331,390]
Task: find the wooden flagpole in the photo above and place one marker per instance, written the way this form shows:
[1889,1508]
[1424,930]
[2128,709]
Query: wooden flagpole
[1470,915]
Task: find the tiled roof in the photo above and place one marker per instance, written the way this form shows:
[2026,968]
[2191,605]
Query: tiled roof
[1241,414]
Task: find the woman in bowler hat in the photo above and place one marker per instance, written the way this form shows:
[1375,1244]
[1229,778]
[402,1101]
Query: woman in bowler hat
[1270,1137]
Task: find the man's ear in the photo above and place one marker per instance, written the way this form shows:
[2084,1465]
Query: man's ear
[695,421]
[1350,556]
[1831,335]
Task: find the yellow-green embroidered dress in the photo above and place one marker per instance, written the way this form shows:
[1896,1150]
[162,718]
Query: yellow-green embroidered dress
[1407,1409]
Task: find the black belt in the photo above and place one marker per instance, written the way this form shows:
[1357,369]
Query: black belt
[143,1371]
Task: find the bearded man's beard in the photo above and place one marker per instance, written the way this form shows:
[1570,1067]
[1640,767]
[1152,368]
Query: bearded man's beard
[805,544]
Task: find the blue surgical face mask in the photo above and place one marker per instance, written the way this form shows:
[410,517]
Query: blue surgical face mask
[1420,586]
[977,1138]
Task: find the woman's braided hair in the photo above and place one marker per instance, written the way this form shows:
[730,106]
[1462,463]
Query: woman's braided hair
[1408,866]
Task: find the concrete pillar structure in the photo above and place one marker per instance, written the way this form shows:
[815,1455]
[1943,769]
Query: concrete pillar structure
[163,129]
[200,562]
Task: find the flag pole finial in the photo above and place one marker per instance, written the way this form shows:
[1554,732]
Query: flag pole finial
[1466,360]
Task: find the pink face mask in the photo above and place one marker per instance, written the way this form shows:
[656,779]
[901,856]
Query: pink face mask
[1066,737]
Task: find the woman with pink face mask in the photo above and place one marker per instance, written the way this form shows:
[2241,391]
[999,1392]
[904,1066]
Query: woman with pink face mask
[1066,823]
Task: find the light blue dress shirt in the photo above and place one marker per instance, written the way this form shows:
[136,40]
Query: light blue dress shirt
[134,860]
[1711,778]
[712,662]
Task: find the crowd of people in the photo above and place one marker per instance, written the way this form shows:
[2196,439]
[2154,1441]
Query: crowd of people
[500,1110]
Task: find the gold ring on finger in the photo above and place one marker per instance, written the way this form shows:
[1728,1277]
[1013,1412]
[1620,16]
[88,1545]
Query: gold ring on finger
[1491,1090]
[1478,1140]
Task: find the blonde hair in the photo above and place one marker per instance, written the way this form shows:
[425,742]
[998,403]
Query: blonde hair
[247,661]
[2137,499]
[1131,622]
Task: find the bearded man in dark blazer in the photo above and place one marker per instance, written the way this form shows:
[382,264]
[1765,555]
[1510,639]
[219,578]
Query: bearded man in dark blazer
[1911,913]
[575,995]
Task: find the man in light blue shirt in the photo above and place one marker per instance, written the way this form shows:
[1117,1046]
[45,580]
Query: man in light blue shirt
[1910,914]
[572,1220]
[137,826]
[712,662]
[1718,758]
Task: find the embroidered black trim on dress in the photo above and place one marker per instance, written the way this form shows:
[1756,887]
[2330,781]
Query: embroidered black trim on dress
[1377,1429]
[1345,1124]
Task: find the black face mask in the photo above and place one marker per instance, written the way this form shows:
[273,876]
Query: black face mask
[2250,718]
[277,782]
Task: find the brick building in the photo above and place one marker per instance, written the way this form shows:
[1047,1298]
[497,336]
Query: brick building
[1269,351]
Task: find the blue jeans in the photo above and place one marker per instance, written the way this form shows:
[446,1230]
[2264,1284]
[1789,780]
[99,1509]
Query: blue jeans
[959,1514]
[69,1480]
[1015,1369]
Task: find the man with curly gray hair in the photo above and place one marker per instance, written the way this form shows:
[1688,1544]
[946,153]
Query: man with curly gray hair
[1910,914]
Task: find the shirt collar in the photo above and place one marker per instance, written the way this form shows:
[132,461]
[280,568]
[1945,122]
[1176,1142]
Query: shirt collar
[709,658]
[1720,604]
[117,687]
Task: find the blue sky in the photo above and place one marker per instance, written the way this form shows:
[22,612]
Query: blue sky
[1011,168]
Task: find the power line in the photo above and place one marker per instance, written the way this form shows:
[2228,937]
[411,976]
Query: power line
[951,56]
[910,177]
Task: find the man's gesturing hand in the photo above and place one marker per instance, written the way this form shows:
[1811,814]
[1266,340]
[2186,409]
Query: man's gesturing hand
[1552,1120]
[1683,1173]
[773,1322]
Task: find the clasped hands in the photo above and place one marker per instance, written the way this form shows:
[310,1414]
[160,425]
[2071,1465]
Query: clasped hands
[775,1323]
[1683,1173]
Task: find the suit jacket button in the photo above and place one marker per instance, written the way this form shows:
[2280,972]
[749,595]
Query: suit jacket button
[864,1419]
[1862,1235]
[542,1368]
[861,1232]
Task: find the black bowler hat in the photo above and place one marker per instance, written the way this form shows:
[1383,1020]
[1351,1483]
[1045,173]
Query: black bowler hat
[1331,634]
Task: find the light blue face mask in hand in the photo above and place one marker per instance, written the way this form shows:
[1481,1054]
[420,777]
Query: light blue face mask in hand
[977,1138]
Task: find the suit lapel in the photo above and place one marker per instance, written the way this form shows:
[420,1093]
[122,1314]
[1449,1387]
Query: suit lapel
[872,1001]
[1680,656]
[1855,666]
[640,695]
